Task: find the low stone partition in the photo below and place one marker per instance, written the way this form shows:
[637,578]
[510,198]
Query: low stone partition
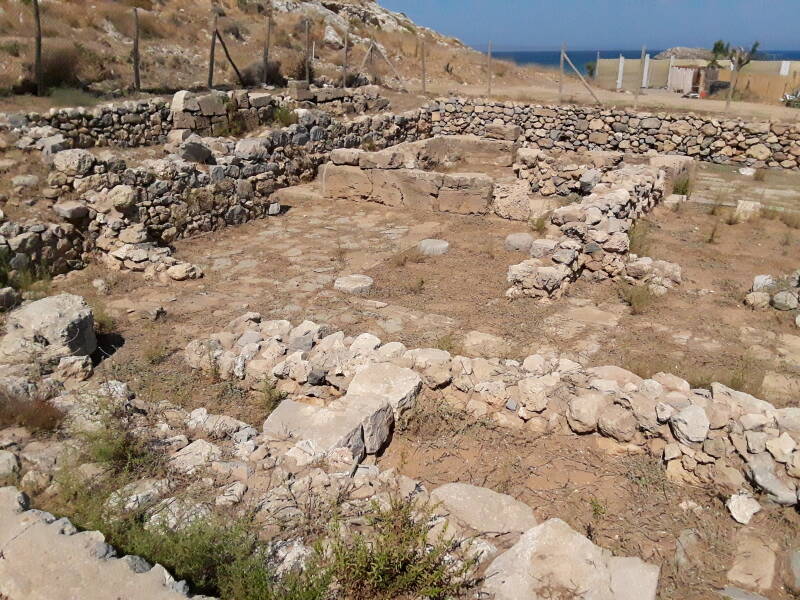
[221,113]
[54,247]
[405,175]
[147,122]
[128,124]
[595,241]
[568,127]
[717,436]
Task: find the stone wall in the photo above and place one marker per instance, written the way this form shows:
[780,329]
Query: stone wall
[147,122]
[130,213]
[594,241]
[758,144]
[717,436]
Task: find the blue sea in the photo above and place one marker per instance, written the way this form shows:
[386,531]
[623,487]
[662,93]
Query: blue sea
[550,58]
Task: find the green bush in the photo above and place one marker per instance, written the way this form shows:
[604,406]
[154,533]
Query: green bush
[639,238]
[284,116]
[682,185]
[394,559]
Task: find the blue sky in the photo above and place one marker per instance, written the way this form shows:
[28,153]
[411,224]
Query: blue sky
[609,24]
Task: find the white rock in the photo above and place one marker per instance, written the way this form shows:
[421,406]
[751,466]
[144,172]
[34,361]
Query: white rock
[742,507]
[690,424]
[483,509]
[354,284]
[553,556]
[433,247]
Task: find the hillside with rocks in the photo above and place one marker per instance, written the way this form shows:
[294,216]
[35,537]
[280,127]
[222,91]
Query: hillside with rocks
[92,48]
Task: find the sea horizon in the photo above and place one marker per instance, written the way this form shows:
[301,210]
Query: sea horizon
[551,58]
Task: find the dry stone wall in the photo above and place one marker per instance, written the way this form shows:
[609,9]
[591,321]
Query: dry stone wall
[130,212]
[148,122]
[758,144]
[717,436]
[595,243]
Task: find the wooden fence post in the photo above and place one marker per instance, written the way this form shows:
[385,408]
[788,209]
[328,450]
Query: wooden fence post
[211,52]
[583,80]
[489,68]
[732,88]
[137,81]
[561,73]
[267,41]
[640,81]
[424,73]
[38,51]
[346,56]
[230,58]
[308,48]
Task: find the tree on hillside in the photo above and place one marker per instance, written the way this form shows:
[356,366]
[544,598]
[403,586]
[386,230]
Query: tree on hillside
[740,57]
[720,51]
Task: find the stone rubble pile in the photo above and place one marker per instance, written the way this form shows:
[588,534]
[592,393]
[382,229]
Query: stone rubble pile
[349,391]
[756,144]
[781,294]
[595,243]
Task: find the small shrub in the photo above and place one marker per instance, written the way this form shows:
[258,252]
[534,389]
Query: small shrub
[13,48]
[113,445]
[598,508]
[37,415]
[639,238]
[60,67]
[638,297]
[104,322]
[447,343]
[791,219]
[395,559]
[418,286]
[156,351]
[712,236]
[284,116]
[411,256]
[253,74]
[539,224]
[298,72]
[271,396]
[682,186]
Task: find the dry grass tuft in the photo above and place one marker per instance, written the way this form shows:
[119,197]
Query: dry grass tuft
[638,297]
[37,415]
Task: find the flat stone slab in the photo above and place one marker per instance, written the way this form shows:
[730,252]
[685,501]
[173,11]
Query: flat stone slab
[358,285]
[433,247]
[47,559]
[519,242]
[483,509]
[554,556]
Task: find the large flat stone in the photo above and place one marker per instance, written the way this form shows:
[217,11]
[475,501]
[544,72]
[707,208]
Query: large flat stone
[43,559]
[551,559]
[483,509]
